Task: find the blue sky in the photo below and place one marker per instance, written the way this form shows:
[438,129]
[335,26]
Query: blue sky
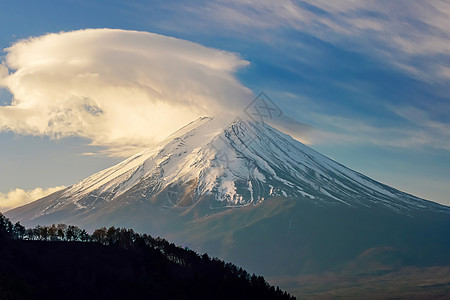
[371,78]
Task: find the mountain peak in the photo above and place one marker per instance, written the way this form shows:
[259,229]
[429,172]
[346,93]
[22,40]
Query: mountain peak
[238,165]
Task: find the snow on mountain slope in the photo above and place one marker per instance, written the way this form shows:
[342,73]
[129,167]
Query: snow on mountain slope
[240,165]
[124,175]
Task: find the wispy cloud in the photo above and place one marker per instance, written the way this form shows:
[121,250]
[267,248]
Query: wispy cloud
[425,134]
[421,129]
[19,197]
[405,33]
[433,132]
[117,88]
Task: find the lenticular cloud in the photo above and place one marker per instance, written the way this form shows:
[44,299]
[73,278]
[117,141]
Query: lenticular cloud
[115,87]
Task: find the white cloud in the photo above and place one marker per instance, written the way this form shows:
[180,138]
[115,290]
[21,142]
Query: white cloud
[19,197]
[3,72]
[118,88]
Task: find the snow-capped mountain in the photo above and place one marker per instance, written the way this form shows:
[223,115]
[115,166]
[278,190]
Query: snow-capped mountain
[243,164]
[216,188]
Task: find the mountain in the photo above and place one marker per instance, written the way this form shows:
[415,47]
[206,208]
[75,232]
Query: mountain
[251,194]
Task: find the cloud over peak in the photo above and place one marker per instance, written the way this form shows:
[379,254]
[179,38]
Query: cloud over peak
[115,87]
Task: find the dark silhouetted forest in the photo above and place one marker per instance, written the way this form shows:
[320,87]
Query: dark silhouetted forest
[66,262]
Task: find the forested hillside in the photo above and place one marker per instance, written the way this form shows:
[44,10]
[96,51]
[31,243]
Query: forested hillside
[66,262]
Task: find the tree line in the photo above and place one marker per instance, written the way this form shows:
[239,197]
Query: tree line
[185,261]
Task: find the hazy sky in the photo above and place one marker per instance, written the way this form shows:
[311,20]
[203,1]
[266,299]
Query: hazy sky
[370,78]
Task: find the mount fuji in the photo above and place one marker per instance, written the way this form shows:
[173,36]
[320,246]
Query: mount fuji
[251,194]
